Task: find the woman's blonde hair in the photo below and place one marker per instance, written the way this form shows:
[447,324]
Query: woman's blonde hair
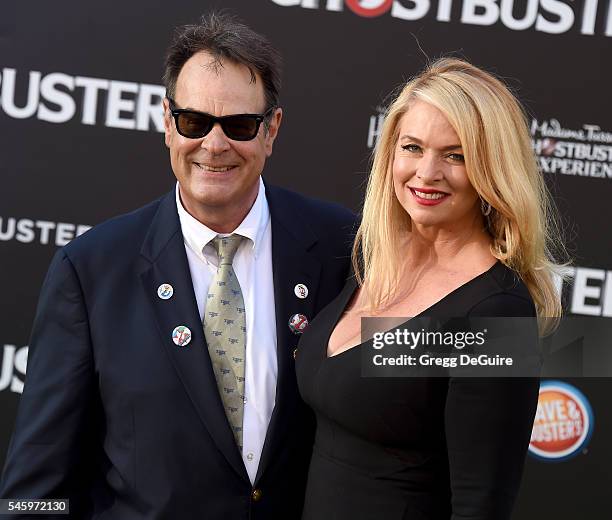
[500,164]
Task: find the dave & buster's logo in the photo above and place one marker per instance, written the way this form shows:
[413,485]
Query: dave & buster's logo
[563,424]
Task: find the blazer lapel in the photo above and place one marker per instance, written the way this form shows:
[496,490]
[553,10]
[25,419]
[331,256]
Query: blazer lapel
[165,250]
[292,263]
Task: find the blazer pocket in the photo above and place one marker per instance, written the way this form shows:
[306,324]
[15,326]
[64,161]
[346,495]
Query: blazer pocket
[120,448]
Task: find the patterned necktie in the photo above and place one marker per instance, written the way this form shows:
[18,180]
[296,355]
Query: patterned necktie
[225,331]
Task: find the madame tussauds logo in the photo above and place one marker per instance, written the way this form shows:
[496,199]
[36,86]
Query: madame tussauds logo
[586,151]
[563,424]
[548,16]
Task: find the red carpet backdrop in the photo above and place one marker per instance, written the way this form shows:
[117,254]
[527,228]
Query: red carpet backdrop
[81,127]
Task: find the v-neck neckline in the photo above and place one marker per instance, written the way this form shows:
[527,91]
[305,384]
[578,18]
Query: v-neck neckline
[353,288]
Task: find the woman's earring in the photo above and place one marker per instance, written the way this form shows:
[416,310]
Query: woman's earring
[485,207]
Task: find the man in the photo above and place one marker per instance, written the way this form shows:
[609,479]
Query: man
[161,374]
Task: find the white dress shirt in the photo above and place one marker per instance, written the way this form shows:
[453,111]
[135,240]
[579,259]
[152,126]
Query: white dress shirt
[253,267]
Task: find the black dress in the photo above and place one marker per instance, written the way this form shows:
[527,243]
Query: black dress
[416,449]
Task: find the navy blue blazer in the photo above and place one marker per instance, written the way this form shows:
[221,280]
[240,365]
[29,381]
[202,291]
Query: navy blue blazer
[118,419]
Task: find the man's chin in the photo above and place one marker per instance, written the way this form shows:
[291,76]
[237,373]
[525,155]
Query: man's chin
[218,197]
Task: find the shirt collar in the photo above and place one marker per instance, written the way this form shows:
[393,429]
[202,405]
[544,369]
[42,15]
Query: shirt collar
[196,235]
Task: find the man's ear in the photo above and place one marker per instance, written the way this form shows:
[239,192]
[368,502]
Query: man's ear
[272,129]
[167,122]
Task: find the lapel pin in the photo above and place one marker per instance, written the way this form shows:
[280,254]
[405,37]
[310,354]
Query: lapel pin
[181,336]
[298,323]
[301,291]
[165,291]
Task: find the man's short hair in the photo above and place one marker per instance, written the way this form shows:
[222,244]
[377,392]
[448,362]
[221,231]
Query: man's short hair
[225,37]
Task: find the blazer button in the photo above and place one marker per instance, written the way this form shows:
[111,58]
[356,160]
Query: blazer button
[256,495]
[294,353]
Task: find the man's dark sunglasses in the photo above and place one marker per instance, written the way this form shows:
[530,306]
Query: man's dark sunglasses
[194,125]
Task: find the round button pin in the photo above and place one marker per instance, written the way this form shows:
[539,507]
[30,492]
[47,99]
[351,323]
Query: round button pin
[298,323]
[165,291]
[181,335]
[301,291]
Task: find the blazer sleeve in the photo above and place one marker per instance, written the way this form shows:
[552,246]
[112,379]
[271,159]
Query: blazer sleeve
[49,446]
[488,423]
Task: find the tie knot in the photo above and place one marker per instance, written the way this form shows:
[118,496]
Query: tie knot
[226,248]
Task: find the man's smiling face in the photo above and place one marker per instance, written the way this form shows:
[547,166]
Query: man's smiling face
[216,174]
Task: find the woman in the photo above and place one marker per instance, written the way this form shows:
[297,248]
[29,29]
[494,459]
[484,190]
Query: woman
[455,223]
